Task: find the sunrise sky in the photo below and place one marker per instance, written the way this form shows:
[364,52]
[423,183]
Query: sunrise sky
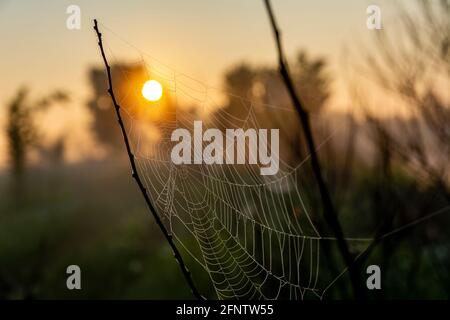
[200,38]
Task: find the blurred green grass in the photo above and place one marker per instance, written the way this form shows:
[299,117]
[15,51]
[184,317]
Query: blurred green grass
[89,215]
[93,215]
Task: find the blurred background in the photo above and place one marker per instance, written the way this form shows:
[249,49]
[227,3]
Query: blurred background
[380,110]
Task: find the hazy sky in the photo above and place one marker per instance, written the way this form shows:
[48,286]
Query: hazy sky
[200,38]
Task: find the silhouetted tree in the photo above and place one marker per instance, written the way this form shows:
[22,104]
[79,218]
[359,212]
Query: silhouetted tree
[128,81]
[127,85]
[262,88]
[22,131]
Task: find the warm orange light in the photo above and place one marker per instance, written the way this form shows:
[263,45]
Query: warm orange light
[152,90]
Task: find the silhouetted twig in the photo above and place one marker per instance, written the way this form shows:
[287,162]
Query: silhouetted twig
[329,211]
[135,174]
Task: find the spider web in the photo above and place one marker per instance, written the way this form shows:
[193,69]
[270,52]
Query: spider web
[247,235]
[254,236]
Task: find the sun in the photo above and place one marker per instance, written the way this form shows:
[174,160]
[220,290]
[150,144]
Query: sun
[152,90]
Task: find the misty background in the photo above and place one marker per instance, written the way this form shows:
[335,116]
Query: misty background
[379,105]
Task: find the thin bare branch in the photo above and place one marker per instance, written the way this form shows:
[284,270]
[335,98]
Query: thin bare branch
[329,211]
[135,175]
